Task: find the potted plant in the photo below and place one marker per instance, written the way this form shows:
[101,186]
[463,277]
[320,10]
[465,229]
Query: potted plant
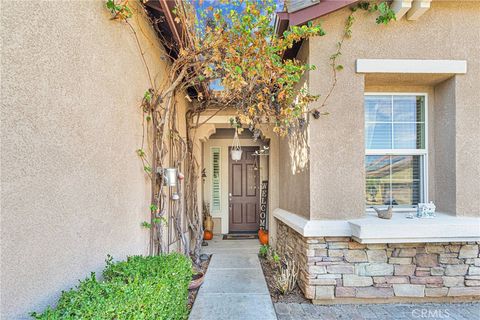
[197,280]
[207,235]
[208,221]
[263,236]
[236,151]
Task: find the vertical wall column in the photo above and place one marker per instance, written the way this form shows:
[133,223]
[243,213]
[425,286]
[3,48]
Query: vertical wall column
[467,142]
[445,153]
[337,150]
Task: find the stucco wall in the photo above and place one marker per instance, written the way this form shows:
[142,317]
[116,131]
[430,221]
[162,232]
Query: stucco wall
[294,181]
[444,118]
[73,189]
[294,152]
[446,31]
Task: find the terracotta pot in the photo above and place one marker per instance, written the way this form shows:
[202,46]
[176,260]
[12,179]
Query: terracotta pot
[263,237]
[197,281]
[207,235]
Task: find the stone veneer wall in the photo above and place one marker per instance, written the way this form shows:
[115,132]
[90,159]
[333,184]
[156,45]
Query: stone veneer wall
[341,268]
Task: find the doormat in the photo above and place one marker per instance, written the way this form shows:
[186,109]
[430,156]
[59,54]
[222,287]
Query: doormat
[239,236]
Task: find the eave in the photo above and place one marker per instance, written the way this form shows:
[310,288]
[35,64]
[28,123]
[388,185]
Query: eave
[284,20]
[162,13]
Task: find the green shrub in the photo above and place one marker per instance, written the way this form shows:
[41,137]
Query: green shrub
[263,252]
[139,288]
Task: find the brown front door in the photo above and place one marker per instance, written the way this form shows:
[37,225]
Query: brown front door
[244,192]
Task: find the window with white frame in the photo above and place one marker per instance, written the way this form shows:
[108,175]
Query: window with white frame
[395,149]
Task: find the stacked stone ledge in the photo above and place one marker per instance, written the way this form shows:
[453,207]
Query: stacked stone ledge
[341,268]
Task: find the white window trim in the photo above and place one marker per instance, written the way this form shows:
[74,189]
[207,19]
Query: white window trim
[423,152]
[219,179]
[412,66]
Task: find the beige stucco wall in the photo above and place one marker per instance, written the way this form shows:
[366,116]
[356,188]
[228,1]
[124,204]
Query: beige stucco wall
[445,151]
[294,152]
[446,31]
[73,189]
[294,180]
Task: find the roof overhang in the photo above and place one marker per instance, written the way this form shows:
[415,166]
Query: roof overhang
[324,7]
[285,19]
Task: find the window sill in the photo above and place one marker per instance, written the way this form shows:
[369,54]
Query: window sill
[399,229]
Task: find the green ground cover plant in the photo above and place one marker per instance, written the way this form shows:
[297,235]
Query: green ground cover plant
[154,287]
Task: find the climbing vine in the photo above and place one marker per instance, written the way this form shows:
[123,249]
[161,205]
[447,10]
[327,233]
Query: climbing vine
[233,58]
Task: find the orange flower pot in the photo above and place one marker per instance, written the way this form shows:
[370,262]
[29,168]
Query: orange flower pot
[207,235]
[260,231]
[263,237]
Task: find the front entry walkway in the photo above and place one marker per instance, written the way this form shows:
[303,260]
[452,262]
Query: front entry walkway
[234,286]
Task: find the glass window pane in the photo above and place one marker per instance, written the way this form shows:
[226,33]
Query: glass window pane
[408,108]
[408,136]
[394,180]
[394,123]
[406,180]
[378,108]
[378,180]
[378,136]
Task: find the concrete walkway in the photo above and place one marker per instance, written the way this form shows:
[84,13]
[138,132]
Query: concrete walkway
[234,286]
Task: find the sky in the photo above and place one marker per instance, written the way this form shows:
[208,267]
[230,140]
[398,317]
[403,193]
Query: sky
[200,5]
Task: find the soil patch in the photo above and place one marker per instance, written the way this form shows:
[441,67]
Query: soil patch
[296,296]
[192,294]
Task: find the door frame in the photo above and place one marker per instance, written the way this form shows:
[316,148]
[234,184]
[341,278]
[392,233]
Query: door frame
[257,183]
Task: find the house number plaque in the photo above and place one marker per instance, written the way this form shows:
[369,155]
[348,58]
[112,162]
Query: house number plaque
[263,205]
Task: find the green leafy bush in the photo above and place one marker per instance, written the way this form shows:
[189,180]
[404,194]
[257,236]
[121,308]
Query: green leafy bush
[139,288]
[263,252]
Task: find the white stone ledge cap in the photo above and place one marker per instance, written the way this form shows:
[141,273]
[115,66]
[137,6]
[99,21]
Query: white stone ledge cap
[411,66]
[442,228]
[371,229]
[313,228]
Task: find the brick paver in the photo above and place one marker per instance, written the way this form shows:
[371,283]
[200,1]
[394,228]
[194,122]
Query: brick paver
[426,311]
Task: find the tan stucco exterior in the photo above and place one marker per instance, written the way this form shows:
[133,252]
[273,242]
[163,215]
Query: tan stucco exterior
[294,169]
[73,188]
[446,31]
[445,151]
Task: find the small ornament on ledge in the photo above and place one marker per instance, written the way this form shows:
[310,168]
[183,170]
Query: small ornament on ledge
[384,214]
[426,210]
